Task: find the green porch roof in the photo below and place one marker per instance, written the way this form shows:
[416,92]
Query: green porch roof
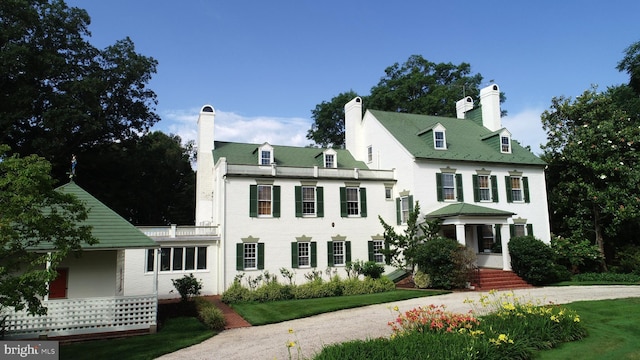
[111,230]
[246,154]
[466,139]
[464,209]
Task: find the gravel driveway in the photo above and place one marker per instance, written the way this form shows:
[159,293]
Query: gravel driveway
[311,334]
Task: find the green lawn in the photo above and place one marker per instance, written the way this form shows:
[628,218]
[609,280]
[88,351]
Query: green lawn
[613,331]
[278,311]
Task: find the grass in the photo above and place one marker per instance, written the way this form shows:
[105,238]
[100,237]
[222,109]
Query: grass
[613,331]
[176,334]
[277,311]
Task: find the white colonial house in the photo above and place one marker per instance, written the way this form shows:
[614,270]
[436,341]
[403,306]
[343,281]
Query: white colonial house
[264,207]
[466,171]
[90,295]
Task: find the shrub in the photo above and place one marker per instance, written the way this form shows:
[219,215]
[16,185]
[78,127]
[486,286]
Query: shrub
[607,277]
[188,286]
[421,280]
[437,257]
[576,255]
[367,286]
[532,260]
[272,291]
[236,293]
[210,315]
[372,269]
[628,258]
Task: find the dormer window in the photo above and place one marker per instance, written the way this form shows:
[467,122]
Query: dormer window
[505,142]
[439,137]
[330,159]
[265,154]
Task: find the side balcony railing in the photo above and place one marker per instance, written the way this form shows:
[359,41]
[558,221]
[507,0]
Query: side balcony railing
[178,231]
[85,316]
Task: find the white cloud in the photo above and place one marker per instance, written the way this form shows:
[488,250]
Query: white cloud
[232,127]
[526,128]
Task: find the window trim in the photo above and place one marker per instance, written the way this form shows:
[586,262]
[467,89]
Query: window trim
[171,262]
[254,200]
[457,186]
[361,203]
[240,254]
[401,215]
[331,251]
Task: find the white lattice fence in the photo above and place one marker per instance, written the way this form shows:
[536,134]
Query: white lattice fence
[85,316]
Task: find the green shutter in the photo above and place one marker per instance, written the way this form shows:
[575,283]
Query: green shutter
[343,202]
[479,237]
[240,256]
[399,210]
[370,250]
[507,180]
[314,254]
[253,200]
[298,200]
[439,186]
[387,259]
[525,184]
[512,230]
[498,228]
[320,201]
[260,256]
[410,203]
[494,188]
[363,202]
[459,188]
[476,188]
[530,229]
[347,251]
[294,255]
[329,253]
[276,201]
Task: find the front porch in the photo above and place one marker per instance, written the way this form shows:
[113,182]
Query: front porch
[71,317]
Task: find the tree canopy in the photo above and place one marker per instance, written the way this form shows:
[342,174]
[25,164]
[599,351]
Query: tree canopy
[58,93]
[418,86]
[32,214]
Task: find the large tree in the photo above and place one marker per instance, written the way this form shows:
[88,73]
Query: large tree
[418,86]
[59,94]
[594,165]
[147,180]
[33,215]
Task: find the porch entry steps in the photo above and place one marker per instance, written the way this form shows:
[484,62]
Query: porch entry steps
[495,279]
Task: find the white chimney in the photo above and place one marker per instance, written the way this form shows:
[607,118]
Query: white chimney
[490,105]
[353,136]
[463,105]
[204,173]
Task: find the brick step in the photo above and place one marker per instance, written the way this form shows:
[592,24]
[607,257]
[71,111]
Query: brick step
[491,279]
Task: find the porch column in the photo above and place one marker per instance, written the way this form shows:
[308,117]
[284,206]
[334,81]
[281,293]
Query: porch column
[506,257]
[461,234]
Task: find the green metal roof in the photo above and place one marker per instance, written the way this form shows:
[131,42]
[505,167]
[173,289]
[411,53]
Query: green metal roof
[111,230]
[464,209]
[466,139]
[247,154]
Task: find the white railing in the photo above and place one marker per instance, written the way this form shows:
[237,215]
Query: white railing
[85,316]
[310,172]
[175,231]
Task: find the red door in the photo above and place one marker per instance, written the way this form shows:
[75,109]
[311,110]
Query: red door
[58,287]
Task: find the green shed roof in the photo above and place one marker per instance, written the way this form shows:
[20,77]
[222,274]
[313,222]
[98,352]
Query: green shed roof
[247,154]
[466,139]
[111,230]
[464,209]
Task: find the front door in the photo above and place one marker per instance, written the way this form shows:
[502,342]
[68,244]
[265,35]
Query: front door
[58,287]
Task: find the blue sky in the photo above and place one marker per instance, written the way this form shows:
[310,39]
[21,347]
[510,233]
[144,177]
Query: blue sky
[264,65]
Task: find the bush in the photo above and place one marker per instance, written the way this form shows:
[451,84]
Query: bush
[210,315]
[628,259]
[532,260]
[236,293]
[421,280]
[576,255]
[367,286]
[188,286]
[372,269]
[607,277]
[438,258]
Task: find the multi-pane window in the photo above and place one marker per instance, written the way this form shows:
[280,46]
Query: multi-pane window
[519,230]
[265,157]
[369,153]
[250,256]
[516,188]
[486,238]
[505,144]
[304,254]
[378,256]
[352,201]
[439,140]
[264,200]
[405,209]
[388,193]
[179,258]
[329,160]
[308,200]
[338,253]
[448,186]
[484,187]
